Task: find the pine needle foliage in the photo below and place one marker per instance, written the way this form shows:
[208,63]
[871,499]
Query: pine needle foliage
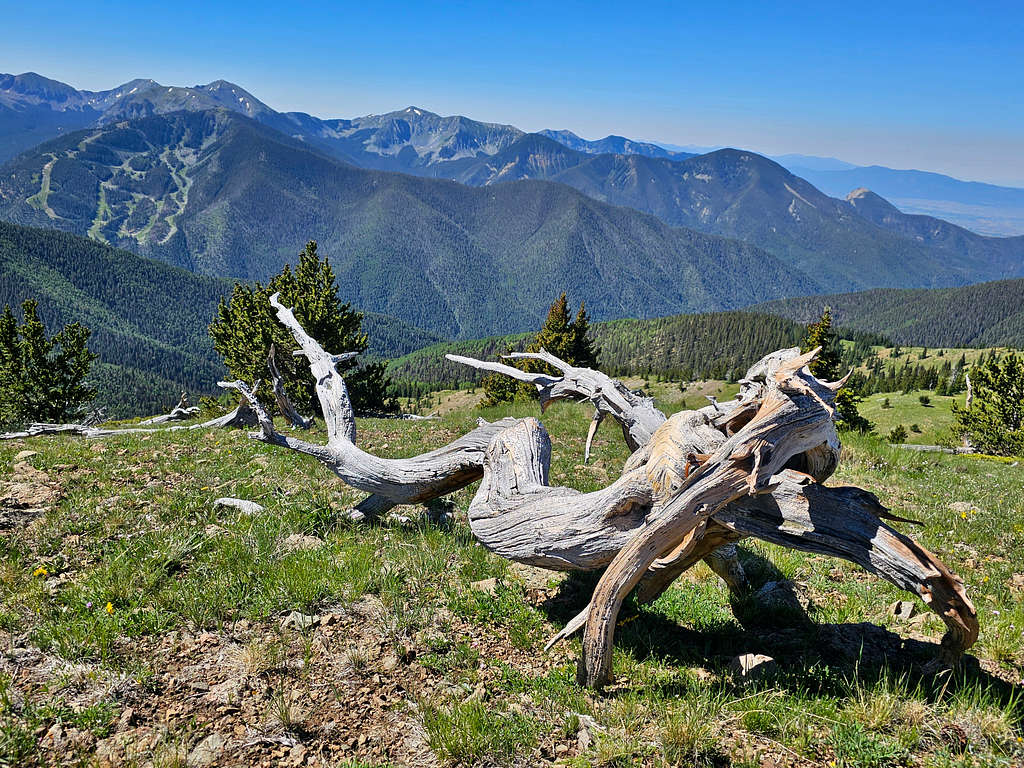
[828,366]
[994,423]
[246,325]
[569,340]
[42,378]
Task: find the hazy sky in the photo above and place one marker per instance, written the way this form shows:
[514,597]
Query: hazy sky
[937,86]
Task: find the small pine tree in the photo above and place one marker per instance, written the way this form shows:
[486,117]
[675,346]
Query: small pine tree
[42,378]
[566,339]
[827,367]
[246,325]
[898,434]
[995,421]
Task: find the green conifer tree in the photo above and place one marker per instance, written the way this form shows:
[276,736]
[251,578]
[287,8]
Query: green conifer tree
[246,325]
[42,378]
[566,339]
[995,421]
[827,366]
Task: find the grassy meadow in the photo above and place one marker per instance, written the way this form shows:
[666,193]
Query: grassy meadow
[142,625]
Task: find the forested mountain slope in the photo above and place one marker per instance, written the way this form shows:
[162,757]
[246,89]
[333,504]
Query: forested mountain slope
[983,315]
[744,195]
[732,193]
[710,345]
[148,319]
[220,194]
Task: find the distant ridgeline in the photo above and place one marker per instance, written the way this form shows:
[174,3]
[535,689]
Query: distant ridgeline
[980,315]
[148,319]
[716,345]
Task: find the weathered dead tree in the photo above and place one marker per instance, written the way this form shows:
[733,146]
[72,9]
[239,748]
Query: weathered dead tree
[389,481]
[240,416]
[695,484]
[181,412]
[750,467]
[294,418]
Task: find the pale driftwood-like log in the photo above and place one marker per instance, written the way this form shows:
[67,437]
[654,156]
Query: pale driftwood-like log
[389,481]
[794,416]
[288,410]
[636,414]
[518,516]
[844,522]
[335,404]
[696,484]
[242,416]
[181,412]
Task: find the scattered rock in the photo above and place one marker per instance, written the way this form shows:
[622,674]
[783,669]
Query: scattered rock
[301,542]
[23,455]
[961,507]
[206,752]
[752,665]
[536,578]
[490,586]
[903,609]
[247,507]
[298,620]
[1016,584]
[478,694]
[585,734]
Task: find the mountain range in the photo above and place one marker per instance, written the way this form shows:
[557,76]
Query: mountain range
[211,179]
[34,108]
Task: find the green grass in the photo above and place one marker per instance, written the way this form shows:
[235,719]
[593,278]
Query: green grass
[933,420]
[465,669]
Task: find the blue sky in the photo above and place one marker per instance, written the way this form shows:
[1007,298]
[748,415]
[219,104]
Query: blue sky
[937,86]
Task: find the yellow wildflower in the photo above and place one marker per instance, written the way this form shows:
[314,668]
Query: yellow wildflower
[40,571]
[110,608]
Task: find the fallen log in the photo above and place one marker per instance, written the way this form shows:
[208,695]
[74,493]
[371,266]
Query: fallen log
[181,412]
[241,416]
[389,481]
[695,484]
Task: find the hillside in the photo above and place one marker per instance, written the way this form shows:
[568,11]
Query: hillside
[939,235]
[222,195]
[986,208]
[744,195]
[681,347]
[148,319]
[984,315]
[728,193]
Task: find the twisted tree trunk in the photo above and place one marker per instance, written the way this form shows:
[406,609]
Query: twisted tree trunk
[694,485]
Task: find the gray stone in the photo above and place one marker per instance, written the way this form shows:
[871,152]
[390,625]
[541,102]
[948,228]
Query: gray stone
[751,665]
[903,609]
[207,751]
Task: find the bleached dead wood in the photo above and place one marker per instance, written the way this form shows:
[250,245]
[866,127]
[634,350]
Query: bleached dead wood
[706,479]
[695,484]
[241,416]
[389,481]
[636,414]
[288,410]
[181,412]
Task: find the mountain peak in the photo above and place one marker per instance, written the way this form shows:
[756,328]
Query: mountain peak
[870,205]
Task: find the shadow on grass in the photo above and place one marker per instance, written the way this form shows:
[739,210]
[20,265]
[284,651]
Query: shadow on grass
[819,659]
